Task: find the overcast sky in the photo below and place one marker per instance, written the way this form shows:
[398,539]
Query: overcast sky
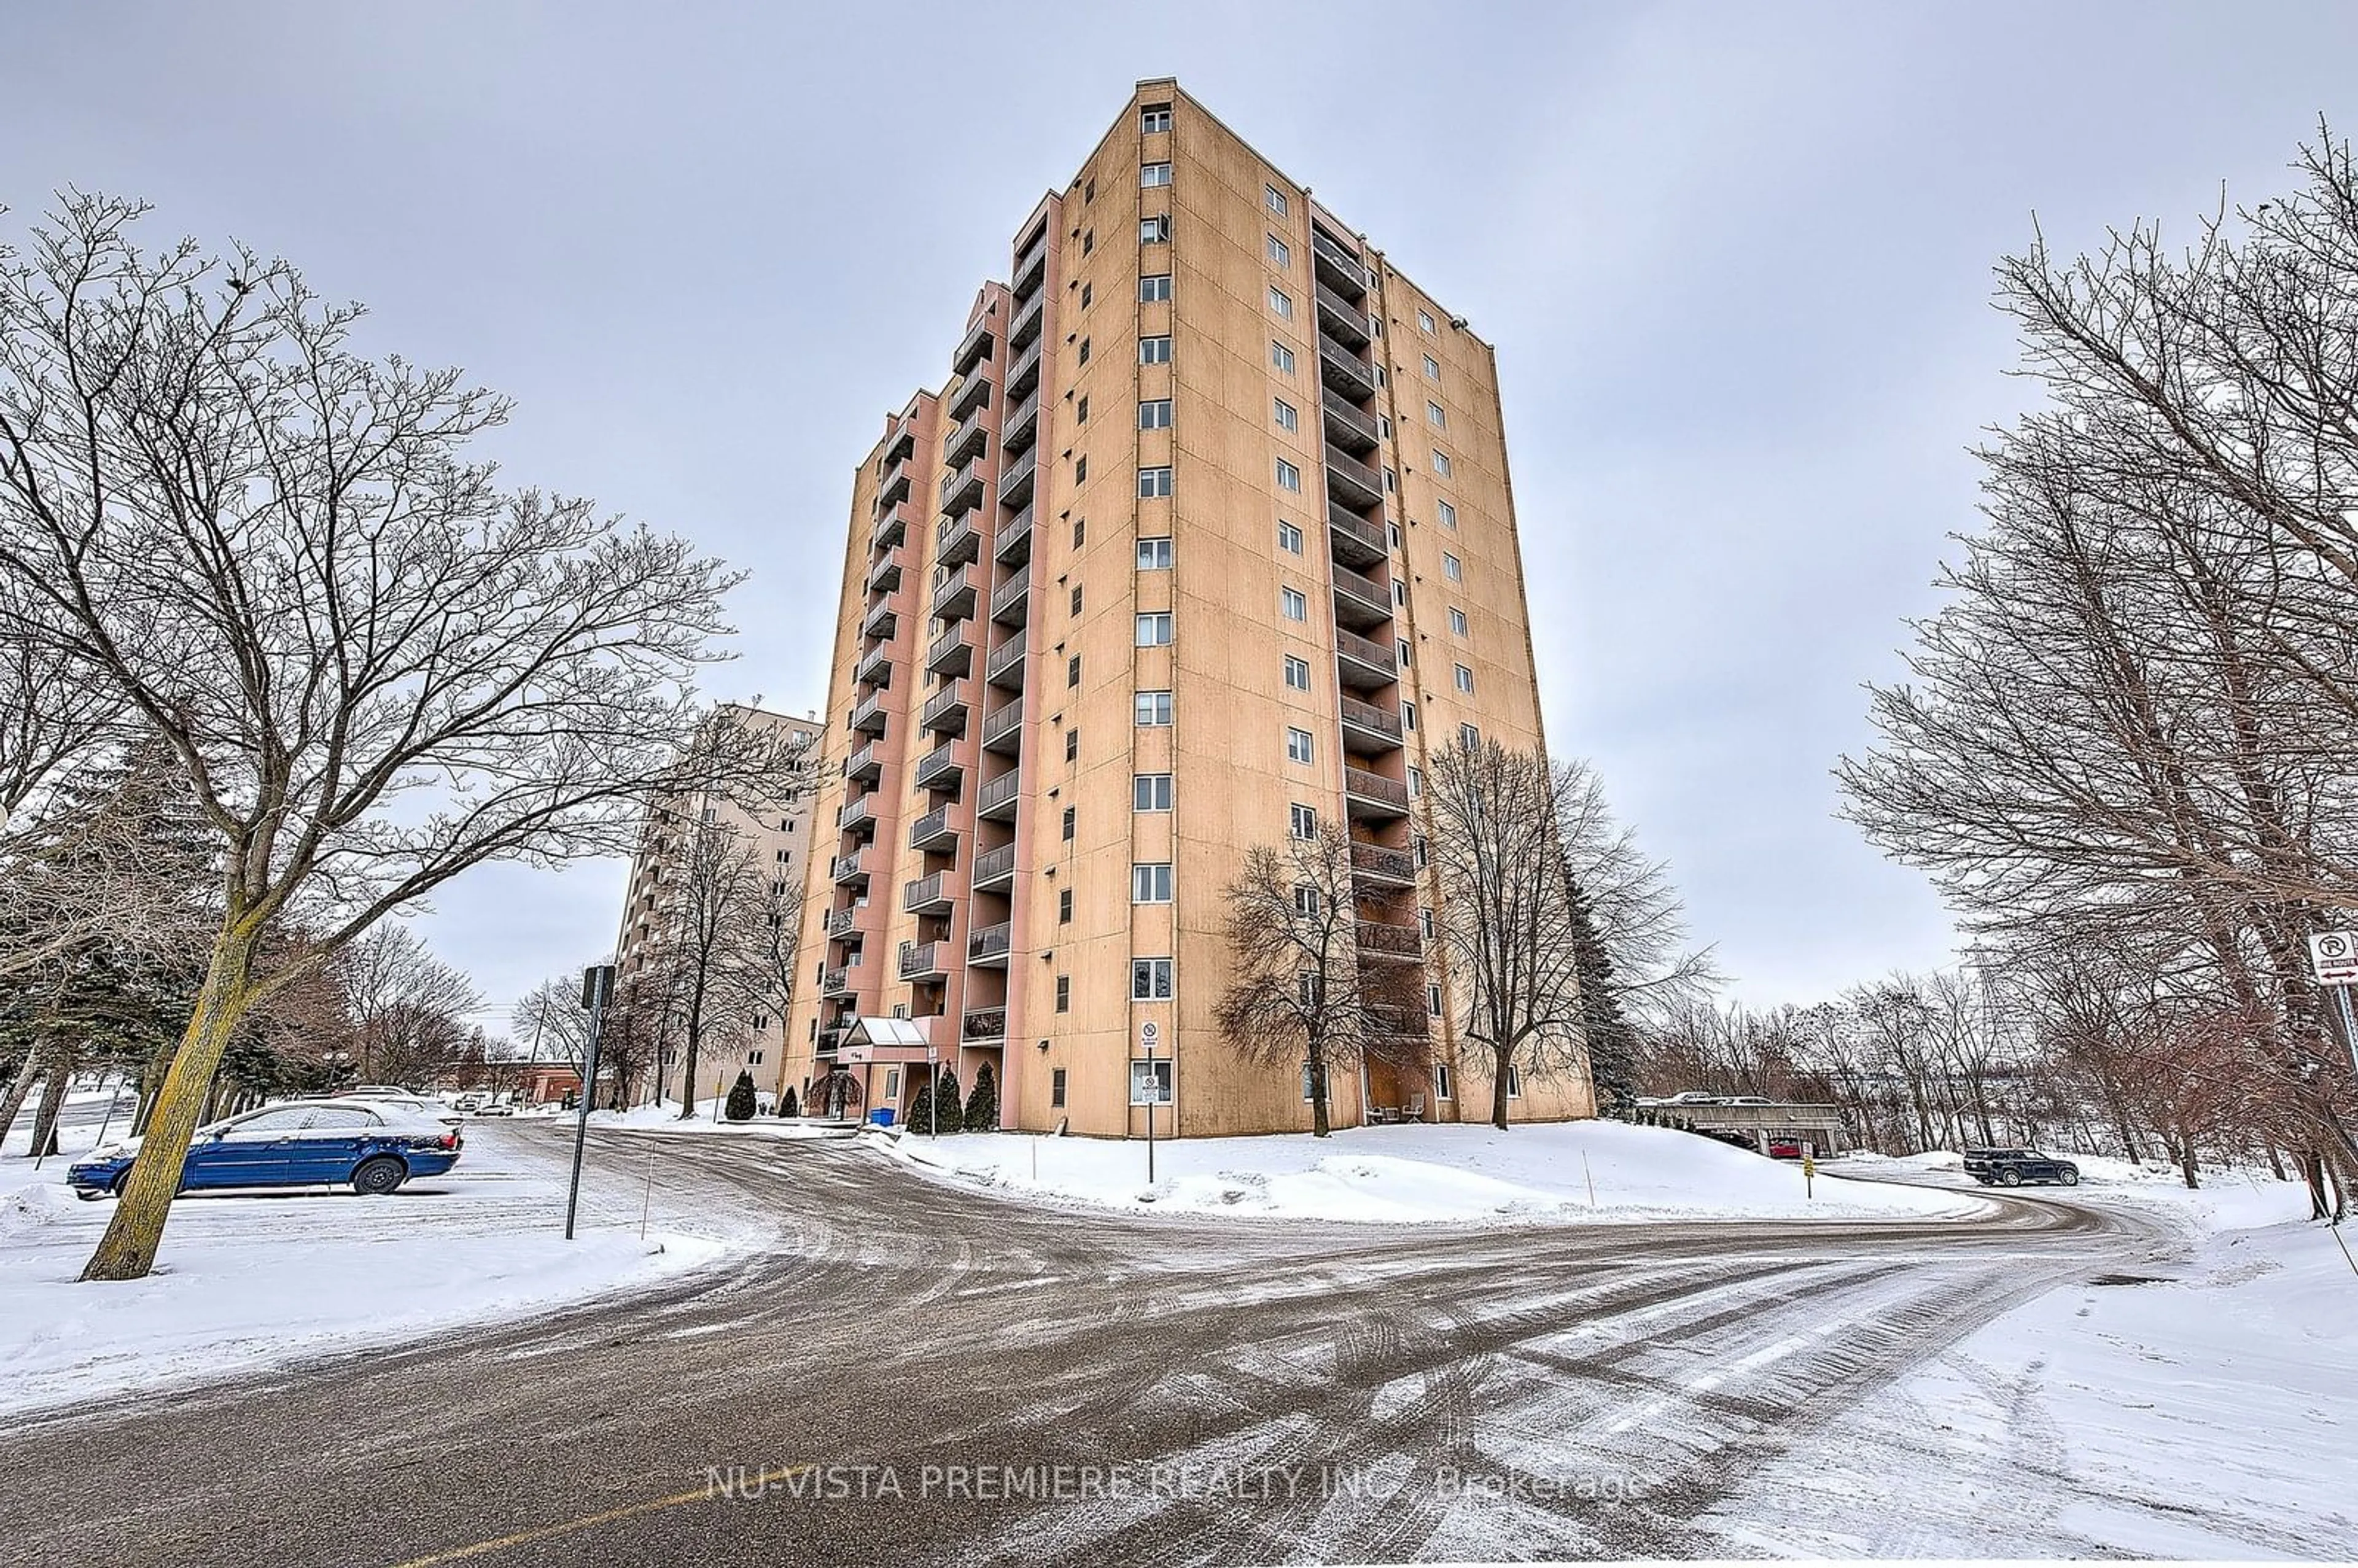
[1735,259]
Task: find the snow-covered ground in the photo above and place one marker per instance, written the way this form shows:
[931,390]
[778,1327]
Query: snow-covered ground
[251,1280]
[1579,1170]
[2205,1406]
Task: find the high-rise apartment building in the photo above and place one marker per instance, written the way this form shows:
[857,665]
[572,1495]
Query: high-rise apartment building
[1207,538]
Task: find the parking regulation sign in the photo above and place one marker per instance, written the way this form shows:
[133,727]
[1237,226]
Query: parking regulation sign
[2333,955]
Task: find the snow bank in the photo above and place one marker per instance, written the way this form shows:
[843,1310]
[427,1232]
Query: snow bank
[1581,1171]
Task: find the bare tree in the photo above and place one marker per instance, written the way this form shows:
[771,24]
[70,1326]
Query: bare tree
[1297,995]
[375,668]
[1639,917]
[768,960]
[713,902]
[1506,918]
[409,1009]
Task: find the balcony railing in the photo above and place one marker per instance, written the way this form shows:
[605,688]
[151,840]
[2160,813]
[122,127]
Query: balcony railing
[1002,728]
[840,921]
[962,488]
[957,541]
[1372,794]
[951,654]
[984,1023]
[1016,435]
[973,392]
[875,667]
[885,575]
[856,816]
[869,715]
[926,895]
[881,622]
[1352,481]
[990,945]
[1014,545]
[1347,427]
[968,440]
[1337,266]
[1359,542]
[892,527]
[1340,367]
[893,492]
[1024,373]
[1342,318]
[945,711]
[1387,1021]
[1379,863]
[1015,484]
[1026,325]
[866,764]
[932,831]
[921,960]
[973,350]
[939,769]
[954,599]
[994,869]
[903,443]
[998,797]
[838,982]
[1030,268]
[851,868]
[1384,939]
[1010,601]
[1368,719]
[1363,665]
[1006,669]
[1360,603]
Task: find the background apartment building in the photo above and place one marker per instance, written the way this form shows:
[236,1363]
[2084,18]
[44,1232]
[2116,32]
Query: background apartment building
[780,847]
[1209,536]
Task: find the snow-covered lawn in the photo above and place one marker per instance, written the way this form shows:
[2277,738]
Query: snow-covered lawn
[251,1280]
[1579,1170]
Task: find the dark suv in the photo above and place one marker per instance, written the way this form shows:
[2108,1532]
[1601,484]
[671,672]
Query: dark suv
[2016,1167]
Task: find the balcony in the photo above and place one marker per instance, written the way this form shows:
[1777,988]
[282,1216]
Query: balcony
[836,982]
[1013,546]
[1340,368]
[869,717]
[893,491]
[866,765]
[934,833]
[984,1023]
[1026,325]
[885,577]
[997,800]
[957,541]
[1343,318]
[968,440]
[1015,484]
[1030,268]
[892,527]
[1377,864]
[1015,436]
[1360,603]
[1372,796]
[839,922]
[923,961]
[1003,730]
[1024,373]
[989,945]
[880,623]
[1337,267]
[1348,428]
[1010,601]
[1386,1022]
[904,443]
[939,769]
[1358,541]
[973,350]
[973,392]
[1353,483]
[857,816]
[1387,942]
[1006,671]
[954,599]
[962,489]
[927,895]
[994,870]
[1372,726]
[1363,665]
[851,868]
[875,667]
[951,654]
[945,711]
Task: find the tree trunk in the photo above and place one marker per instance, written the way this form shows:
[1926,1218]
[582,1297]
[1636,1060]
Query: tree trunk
[19,1090]
[2186,1159]
[127,1251]
[1498,1089]
[53,1102]
[1321,1123]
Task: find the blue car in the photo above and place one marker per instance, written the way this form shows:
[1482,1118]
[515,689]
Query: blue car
[374,1148]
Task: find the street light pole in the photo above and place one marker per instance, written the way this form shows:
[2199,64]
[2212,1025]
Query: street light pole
[597,989]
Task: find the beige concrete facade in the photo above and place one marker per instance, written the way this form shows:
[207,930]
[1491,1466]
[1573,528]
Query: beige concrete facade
[1200,395]
[781,847]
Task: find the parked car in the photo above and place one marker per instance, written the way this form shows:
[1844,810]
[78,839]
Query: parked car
[432,1110]
[373,1148]
[466,1102]
[495,1107]
[2017,1167]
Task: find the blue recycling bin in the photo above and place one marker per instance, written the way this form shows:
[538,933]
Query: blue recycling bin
[882,1118]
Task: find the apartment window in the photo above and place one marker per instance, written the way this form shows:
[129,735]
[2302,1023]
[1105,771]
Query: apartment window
[1154,286]
[1150,792]
[1384,425]
[1154,554]
[1057,1088]
[1080,531]
[1064,907]
[1072,745]
[1425,320]
[1288,418]
[1153,709]
[1432,368]
[1153,120]
[1297,673]
[1392,533]
[1089,292]
[1153,174]
[1281,356]
[1293,603]
[1153,482]
[1399,593]
[1150,882]
[1273,199]
[892,1083]
[1425,923]
[1288,537]
[1072,671]
[1436,415]
[1076,599]
[1288,476]
[1440,1081]
[1457,621]
[1279,253]
[1465,680]
[1155,629]
[1441,462]
[1064,993]
[1081,412]
[1514,1082]
[1088,241]
[1452,567]
[1407,653]
[1084,356]
[1306,1087]
[1302,821]
[1408,717]
[1088,192]
[1281,302]
[1305,902]
[1469,737]
[1080,469]
[1418,852]
[1150,1081]
[1070,824]
[1448,513]
[1433,998]
[1155,414]
[1415,783]
[1154,231]
[1150,980]
[1297,746]
[1155,351]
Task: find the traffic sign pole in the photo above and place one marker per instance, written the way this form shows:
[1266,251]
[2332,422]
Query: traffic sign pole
[2334,959]
[1146,1033]
[597,989]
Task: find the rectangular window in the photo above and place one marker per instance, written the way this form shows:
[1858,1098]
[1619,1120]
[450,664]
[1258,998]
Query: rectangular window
[1452,567]
[1153,709]
[1448,513]
[1154,286]
[1150,1082]
[1080,469]
[1392,481]
[1150,882]
[1080,530]
[1057,1088]
[1457,621]
[1064,907]
[1441,462]
[1089,292]
[1297,673]
[1439,1080]
[1288,477]
[1274,198]
[1469,737]
[1425,923]
[1415,783]
[1305,903]
[1155,351]
[1073,670]
[1072,745]
[1278,252]
[1302,822]
[1293,603]
[1150,792]
[1407,653]
[1399,593]
[1070,823]
[1288,418]
[1425,320]
[1088,241]
[1288,537]
[1153,482]
[1281,302]
[1152,120]
[1297,746]
[1433,998]
[1150,980]
[1384,425]
[1076,599]
[1084,351]
[1432,368]
[1514,1082]
[1155,414]
[1064,993]
[1154,554]
[1436,415]
[1155,629]
[1153,174]
[1465,680]
[1154,231]
[1281,356]
[1081,412]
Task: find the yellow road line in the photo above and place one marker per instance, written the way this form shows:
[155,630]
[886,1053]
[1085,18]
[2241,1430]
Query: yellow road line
[586,1521]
